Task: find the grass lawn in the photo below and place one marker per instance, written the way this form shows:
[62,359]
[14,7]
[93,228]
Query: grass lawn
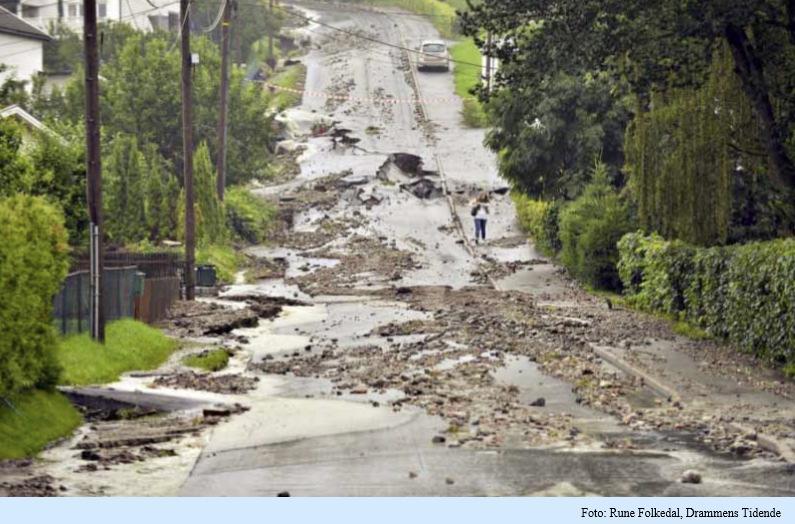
[214,360]
[37,418]
[466,77]
[225,258]
[129,345]
[292,77]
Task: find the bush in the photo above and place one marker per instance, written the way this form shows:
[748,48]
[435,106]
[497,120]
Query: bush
[248,216]
[744,293]
[590,227]
[540,220]
[655,272]
[33,263]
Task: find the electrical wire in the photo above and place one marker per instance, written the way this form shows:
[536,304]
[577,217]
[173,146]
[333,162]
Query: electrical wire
[375,40]
[217,18]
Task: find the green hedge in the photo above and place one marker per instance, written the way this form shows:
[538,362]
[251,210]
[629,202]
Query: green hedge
[539,219]
[33,263]
[743,293]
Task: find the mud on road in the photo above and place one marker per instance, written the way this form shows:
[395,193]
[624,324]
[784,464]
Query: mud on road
[374,354]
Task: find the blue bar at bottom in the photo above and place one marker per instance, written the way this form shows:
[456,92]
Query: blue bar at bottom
[394,510]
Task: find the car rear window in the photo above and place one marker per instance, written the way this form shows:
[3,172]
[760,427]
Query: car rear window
[433,48]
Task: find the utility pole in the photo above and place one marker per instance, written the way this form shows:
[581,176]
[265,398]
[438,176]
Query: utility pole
[93,169]
[488,63]
[271,58]
[187,150]
[224,101]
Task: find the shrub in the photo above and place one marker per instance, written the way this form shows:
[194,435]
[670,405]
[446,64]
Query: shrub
[743,293]
[590,227]
[655,272]
[33,263]
[248,216]
[540,220]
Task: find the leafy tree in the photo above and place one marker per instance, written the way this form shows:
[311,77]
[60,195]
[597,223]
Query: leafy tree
[15,169]
[162,192]
[33,263]
[210,216]
[141,96]
[60,176]
[654,46]
[548,135]
[124,202]
[590,227]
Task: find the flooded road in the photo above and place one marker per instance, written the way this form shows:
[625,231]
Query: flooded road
[408,374]
[386,354]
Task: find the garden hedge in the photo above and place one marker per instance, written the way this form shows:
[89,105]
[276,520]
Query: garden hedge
[33,264]
[743,293]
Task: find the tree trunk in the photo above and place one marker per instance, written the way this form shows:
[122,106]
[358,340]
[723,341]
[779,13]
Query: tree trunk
[752,78]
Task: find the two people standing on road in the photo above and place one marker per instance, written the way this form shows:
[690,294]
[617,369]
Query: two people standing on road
[480,212]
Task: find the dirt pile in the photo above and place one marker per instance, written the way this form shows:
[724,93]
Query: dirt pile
[365,262]
[38,486]
[226,384]
[186,319]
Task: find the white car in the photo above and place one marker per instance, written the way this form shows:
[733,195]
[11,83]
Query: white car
[433,54]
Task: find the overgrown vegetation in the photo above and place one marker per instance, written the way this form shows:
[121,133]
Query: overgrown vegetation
[129,345]
[33,263]
[214,360]
[29,421]
[467,78]
[743,293]
[293,78]
[539,219]
[249,217]
[590,227]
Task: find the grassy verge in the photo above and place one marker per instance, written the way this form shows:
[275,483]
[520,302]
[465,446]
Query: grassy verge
[467,77]
[214,360]
[129,345]
[442,14]
[291,77]
[226,259]
[37,418]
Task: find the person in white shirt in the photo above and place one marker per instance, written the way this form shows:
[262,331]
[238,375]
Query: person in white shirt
[480,212]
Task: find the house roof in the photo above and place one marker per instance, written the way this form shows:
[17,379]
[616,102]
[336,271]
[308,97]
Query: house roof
[11,24]
[30,120]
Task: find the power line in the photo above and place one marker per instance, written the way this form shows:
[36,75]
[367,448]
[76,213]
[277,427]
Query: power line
[217,18]
[375,40]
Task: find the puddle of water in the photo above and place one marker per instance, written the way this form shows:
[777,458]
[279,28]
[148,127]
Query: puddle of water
[523,373]
[450,363]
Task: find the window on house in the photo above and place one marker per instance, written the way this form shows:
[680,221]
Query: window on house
[75,10]
[102,10]
[29,11]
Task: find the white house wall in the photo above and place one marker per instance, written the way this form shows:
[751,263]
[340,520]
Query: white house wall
[23,56]
[134,12]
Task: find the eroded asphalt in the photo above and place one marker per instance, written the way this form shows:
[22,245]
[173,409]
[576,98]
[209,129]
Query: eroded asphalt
[379,352]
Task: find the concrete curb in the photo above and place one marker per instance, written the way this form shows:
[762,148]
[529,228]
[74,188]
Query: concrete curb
[655,385]
[767,442]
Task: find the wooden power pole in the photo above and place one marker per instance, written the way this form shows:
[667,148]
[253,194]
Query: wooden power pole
[187,150]
[271,58]
[489,72]
[93,169]
[224,100]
